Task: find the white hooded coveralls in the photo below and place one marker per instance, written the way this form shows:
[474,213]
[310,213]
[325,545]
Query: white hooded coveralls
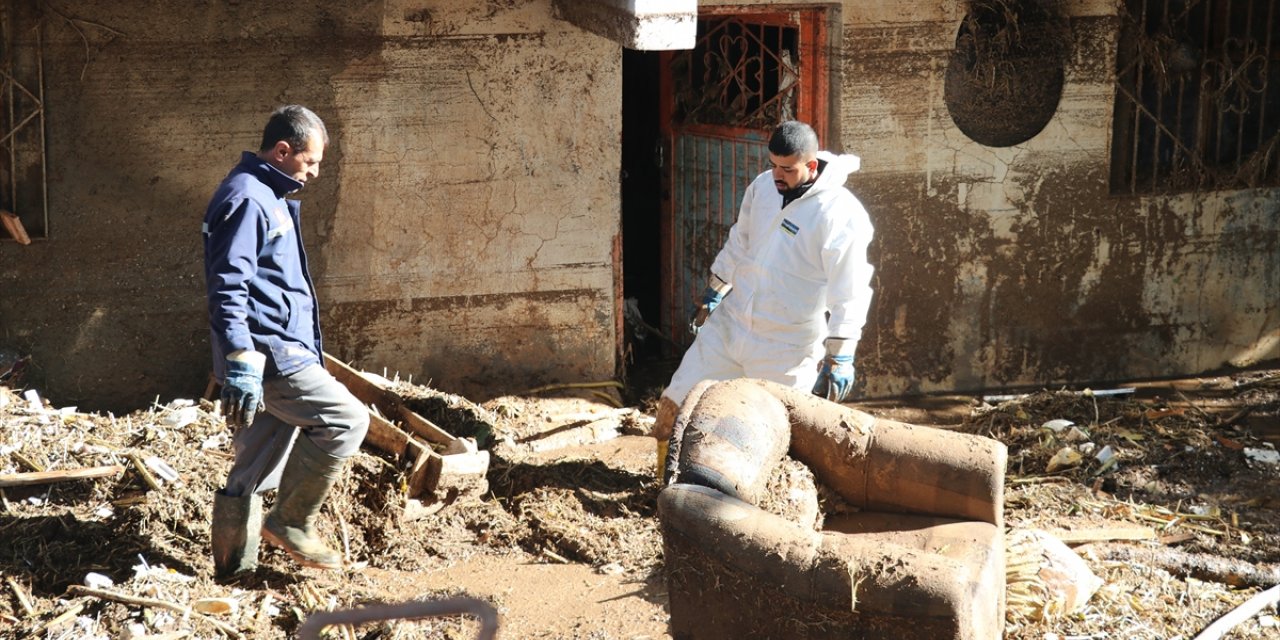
[788,268]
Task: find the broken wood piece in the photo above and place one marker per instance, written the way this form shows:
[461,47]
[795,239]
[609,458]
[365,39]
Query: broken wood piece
[104,594]
[30,463]
[429,430]
[13,224]
[474,463]
[141,468]
[46,477]
[387,402]
[424,475]
[1228,571]
[385,436]
[1235,617]
[21,594]
[462,474]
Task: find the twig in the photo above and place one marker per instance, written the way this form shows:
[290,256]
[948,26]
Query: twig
[1207,418]
[1250,608]
[1037,480]
[104,594]
[62,617]
[574,385]
[21,594]
[608,399]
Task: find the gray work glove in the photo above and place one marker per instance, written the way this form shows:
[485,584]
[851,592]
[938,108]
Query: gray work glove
[242,393]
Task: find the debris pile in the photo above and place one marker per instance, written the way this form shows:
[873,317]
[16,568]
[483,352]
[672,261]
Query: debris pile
[104,518]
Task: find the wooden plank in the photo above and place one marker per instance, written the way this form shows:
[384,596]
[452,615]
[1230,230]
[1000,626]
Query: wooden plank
[424,477]
[385,436]
[357,384]
[430,431]
[46,477]
[390,404]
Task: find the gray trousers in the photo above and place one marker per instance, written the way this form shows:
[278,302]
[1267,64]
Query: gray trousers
[308,404]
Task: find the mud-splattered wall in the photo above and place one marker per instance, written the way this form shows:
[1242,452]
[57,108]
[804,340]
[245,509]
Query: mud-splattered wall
[1014,266]
[462,229]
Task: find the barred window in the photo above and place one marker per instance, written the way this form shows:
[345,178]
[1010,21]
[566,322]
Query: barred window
[1197,96]
[23,197]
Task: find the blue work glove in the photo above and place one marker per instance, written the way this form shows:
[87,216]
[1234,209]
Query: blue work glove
[835,378]
[241,393]
[710,298]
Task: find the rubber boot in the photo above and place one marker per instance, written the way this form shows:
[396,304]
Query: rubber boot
[237,521]
[304,484]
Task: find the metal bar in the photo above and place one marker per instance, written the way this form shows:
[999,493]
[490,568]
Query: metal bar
[1195,158]
[1270,26]
[488,616]
[1202,100]
[11,116]
[1242,115]
[16,129]
[1223,20]
[1155,142]
[44,155]
[1139,32]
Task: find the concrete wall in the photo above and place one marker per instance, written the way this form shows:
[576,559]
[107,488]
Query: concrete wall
[1010,267]
[462,229]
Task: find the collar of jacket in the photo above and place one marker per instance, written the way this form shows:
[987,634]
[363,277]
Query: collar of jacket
[274,178]
[791,195]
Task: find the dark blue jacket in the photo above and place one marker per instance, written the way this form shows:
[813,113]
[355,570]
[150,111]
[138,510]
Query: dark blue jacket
[260,293]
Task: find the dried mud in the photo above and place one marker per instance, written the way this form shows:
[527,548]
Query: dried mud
[1182,469]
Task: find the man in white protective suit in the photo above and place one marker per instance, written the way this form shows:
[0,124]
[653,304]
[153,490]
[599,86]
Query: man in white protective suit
[790,288]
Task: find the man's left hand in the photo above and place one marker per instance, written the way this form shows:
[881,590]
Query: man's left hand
[835,378]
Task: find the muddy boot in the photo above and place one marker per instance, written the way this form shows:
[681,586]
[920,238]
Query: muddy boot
[306,480]
[237,521]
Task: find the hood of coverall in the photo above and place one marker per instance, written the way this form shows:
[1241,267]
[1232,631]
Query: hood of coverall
[835,170]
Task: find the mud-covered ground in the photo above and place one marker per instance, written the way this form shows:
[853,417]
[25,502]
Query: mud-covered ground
[1181,525]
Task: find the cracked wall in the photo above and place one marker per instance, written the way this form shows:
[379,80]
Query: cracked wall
[1014,267]
[461,230]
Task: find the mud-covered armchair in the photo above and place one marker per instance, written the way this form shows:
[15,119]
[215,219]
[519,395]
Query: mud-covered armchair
[921,558]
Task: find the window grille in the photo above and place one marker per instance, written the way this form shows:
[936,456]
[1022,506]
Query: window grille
[740,73]
[23,178]
[1197,96]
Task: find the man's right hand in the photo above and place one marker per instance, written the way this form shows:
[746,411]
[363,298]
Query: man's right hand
[710,298]
[242,392]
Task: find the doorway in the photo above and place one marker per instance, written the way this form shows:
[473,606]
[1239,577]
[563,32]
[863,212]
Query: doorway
[695,125]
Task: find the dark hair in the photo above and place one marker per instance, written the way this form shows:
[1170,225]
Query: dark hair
[793,137]
[294,124]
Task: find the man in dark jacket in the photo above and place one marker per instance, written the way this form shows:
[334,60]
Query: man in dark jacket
[296,425]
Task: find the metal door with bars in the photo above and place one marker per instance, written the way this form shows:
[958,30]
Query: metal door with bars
[749,70]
